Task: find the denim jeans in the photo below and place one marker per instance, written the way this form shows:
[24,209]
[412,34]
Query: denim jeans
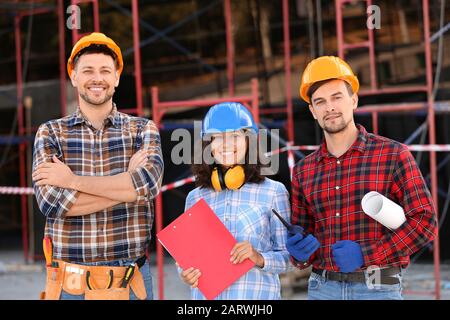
[320,288]
[145,270]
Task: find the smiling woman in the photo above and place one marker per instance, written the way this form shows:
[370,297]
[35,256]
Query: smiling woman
[229,148]
[242,199]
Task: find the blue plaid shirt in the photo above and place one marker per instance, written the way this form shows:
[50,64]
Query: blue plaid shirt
[248,216]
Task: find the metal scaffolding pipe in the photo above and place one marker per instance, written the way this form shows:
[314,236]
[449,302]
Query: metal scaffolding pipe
[373,62]
[199,102]
[20,122]
[432,140]
[62,58]
[230,47]
[387,108]
[398,90]
[137,59]
[287,70]
[339,28]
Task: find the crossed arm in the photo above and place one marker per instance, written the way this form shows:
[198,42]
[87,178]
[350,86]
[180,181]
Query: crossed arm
[94,193]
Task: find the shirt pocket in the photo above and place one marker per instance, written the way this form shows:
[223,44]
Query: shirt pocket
[252,224]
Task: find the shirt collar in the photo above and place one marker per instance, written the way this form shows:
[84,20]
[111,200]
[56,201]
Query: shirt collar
[78,117]
[359,144]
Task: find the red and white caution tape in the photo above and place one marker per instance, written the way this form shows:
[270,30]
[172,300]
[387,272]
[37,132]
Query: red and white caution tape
[177,184]
[16,190]
[430,147]
[291,163]
[30,191]
[413,147]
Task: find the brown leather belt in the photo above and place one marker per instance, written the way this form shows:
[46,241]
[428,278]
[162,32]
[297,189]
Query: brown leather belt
[385,276]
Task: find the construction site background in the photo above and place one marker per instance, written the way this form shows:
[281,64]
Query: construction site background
[185,54]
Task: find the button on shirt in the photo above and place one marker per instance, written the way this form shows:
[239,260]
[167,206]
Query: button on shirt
[247,214]
[327,194]
[119,232]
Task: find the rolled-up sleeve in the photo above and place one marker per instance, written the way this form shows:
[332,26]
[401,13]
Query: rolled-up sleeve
[147,180]
[410,191]
[53,201]
[301,214]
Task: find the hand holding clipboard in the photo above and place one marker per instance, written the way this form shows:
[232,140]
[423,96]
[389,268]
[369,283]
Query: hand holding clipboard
[198,239]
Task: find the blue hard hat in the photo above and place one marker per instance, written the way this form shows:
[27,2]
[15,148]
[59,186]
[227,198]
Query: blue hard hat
[227,117]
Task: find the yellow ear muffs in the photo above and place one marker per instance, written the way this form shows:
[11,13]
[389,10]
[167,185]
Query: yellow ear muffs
[233,178]
[217,179]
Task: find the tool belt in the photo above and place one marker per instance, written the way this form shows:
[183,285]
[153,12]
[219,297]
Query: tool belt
[385,276]
[95,282]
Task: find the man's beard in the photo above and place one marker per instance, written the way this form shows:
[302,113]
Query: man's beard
[337,127]
[86,98]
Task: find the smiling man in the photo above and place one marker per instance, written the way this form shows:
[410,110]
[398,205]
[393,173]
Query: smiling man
[353,256]
[95,175]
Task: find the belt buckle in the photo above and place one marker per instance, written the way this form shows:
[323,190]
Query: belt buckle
[343,277]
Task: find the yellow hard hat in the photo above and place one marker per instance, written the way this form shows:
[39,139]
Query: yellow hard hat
[94,38]
[325,68]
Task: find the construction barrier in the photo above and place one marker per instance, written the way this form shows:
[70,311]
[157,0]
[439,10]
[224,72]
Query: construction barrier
[288,149]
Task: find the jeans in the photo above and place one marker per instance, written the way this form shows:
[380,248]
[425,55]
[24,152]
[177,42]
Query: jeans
[320,288]
[145,270]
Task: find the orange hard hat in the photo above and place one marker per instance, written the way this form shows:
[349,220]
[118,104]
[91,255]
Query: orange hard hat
[326,68]
[94,38]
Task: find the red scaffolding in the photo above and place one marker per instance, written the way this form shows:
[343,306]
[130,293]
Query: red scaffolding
[59,10]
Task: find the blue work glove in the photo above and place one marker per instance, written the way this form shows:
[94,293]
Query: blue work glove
[347,255]
[301,247]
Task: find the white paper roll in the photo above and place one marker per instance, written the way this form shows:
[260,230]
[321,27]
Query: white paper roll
[383,210]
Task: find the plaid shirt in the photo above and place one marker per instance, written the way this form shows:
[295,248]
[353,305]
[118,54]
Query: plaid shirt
[119,232]
[327,194]
[247,214]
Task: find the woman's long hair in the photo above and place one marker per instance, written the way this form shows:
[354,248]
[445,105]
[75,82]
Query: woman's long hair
[203,171]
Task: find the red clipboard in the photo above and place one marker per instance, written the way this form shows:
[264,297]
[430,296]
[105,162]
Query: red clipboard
[197,238]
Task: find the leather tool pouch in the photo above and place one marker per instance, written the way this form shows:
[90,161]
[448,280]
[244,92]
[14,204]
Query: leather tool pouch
[138,286]
[53,285]
[95,282]
[108,294]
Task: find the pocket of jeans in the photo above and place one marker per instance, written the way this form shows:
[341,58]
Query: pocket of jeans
[314,281]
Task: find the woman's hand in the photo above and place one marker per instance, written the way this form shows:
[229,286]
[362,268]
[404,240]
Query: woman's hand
[190,276]
[244,250]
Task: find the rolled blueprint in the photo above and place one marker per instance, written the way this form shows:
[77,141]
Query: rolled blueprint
[383,210]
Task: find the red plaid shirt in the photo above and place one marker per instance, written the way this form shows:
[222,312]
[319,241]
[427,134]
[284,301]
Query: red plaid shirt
[327,194]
